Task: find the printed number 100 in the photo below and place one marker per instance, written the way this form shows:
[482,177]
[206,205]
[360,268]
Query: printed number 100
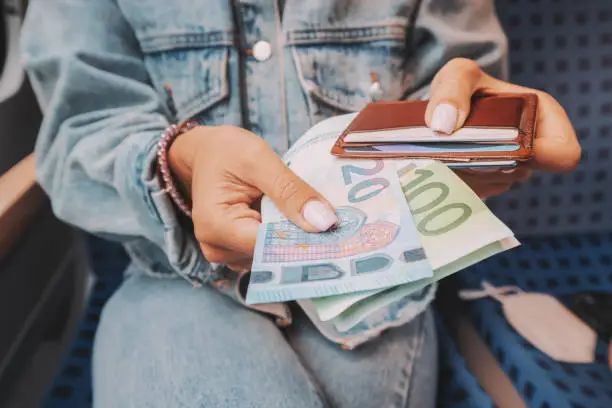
[449,216]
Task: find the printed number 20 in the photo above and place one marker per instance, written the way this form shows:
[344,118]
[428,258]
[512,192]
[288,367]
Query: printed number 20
[355,194]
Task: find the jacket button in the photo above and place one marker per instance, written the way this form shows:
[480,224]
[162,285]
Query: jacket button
[262,51]
[376,92]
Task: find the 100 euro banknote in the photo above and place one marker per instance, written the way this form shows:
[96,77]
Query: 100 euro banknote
[456,228]
[375,244]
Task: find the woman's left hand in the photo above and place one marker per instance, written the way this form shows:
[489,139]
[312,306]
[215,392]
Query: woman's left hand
[556,147]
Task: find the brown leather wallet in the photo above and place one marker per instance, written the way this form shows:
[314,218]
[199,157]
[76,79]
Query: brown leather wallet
[500,127]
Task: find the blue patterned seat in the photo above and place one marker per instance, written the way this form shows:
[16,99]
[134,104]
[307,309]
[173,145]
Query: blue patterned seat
[559,266]
[72,386]
[457,386]
[563,47]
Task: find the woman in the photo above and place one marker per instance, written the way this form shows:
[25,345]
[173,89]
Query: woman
[112,75]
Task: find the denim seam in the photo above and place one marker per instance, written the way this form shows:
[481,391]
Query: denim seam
[315,386]
[333,99]
[145,266]
[319,92]
[281,59]
[302,79]
[168,42]
[142,186]
[361,34]
[208,98]
[407,372]
[194,275]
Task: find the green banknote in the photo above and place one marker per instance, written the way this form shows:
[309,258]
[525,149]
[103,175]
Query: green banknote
[456,229]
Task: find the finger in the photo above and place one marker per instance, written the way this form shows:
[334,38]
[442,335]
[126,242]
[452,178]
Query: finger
[220,255]
[556,146]
[240,267]
[233,227]
[517,174]
[298,201]
[490,190]
[451,94]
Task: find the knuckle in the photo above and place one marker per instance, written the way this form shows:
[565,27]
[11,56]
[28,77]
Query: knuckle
[286,187]
[545,98]
[256,149]
[577,156]
[240,267]
[449,85]
[464,64]
[252,150]
[203,230]
[201,234]
[459,75]
[213,256]
[571,161]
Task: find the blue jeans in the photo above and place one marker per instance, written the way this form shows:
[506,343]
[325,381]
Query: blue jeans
[163,344]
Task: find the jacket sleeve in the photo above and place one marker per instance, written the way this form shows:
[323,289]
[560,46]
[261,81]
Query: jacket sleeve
[447,29]
[97,145]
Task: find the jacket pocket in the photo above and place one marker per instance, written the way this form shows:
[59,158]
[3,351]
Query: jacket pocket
[343,70]
[189,71]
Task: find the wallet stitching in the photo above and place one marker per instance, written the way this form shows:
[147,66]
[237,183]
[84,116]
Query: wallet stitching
[530,113]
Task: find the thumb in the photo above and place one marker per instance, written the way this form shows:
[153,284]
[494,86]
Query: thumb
[297,200]
[451,94]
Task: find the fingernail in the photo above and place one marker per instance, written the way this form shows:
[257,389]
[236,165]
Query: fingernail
[509,171]
[319,215]
[444,118]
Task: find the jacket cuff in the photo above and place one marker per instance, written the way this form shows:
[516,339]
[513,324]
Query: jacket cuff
[174,247]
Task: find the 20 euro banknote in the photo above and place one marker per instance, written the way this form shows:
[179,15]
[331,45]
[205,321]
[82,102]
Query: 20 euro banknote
[375,244]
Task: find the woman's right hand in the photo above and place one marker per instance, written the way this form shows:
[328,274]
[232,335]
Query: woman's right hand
[226,170]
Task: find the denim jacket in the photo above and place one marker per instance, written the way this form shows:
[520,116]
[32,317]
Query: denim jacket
[111,75]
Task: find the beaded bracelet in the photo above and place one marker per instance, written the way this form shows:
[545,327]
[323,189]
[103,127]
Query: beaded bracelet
[169,186]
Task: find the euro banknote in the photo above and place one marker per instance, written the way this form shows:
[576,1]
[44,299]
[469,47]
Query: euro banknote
[456,229]
[364,310]
[375,244]
[396,314]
